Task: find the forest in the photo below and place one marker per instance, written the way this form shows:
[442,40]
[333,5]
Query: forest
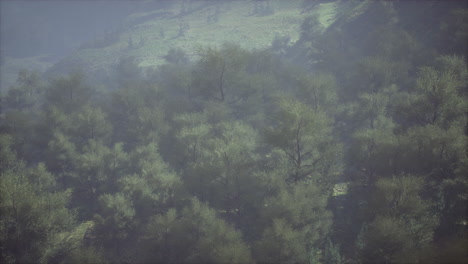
[347,146]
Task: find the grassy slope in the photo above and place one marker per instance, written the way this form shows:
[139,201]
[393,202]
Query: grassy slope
[235,24]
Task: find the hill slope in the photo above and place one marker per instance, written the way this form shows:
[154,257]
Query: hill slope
[148,36]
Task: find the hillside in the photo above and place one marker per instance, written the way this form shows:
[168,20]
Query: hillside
[202,24]
[148,36]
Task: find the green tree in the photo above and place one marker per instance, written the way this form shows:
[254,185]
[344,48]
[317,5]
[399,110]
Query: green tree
[151,184]
[127,72]
[370,108]
[282,244]
[176,56]
[91,177]
[403,223]
[89,123]
[441,155]
[26,93]
[33,213]
[373,74]
[452,36]
[68,94]
[61,157]
[219,164]
[332,253]
[114,224]
[396,44]
[439,96]
[434,118]
[219,75]
[194,235]
[318,91]
[191,130]
[85,255]
[305,136]
[174,78]
[434,151]
[310,28]
[375,151]
[22,125]
[297,223]
[138,113]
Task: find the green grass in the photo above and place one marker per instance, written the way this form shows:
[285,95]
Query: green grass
[235,24]
[326,13]
[340,189]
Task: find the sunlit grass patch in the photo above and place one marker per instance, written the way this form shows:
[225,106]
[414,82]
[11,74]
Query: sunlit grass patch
[340,189]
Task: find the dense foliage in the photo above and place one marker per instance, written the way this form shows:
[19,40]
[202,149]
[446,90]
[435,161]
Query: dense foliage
[354,152]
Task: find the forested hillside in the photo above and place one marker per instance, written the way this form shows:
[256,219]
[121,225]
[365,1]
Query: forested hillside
[348,145]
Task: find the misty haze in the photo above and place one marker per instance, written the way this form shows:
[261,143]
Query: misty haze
[255,131]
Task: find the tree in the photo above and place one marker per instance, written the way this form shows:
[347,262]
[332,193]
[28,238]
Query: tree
[332,253]
[138,112]
[434,118]
[26,94]
[150,183]
[85,255]
[305,136]
[127,72]
[403,223]
[91,177]
[370,108]
[375,151]
[307,49]
[439,97]
[68,94]
[114,224]
[219,74]
[279,45]
[452,36]
[61,158]
[176,56]
[22,125]
[297,223]
[191,130]
[374,74]
[175,77]
[441,155]
[33,213]
[434,151]
[394,43]
[89,123]
[318,91]
[282,244]
[219,163]
[193,235]
[310,28]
